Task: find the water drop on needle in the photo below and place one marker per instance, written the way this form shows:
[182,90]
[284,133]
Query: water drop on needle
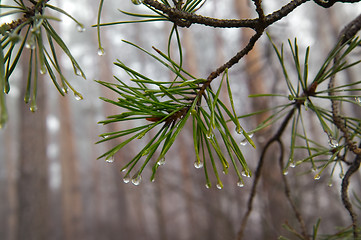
[80,28]
[285,172]
[30,44]
[161,162]
[78,96]
[209,135]
[244,142]
[109,159]
[208,185]
[101,52]
[317,176]
[358,100]
[136,2]
[137,178]
[126,179]
[245,174]
[219,185]
[240,184]
[198,164]
[332,142]
[33,107]
[43,70]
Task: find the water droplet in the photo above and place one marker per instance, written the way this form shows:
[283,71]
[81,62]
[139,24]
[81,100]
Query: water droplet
[290,97]
[101,51]
[358,100]
[64,90]
[208,185]
[109,159]
[126,179]
[306,105]
[33,107]
[194,112]
[198,164]
[209,135]
[244,142]
[30,43]
[238,130]
[78,96]
[341,175]
[330,183]
[332,142]
[141,135]
[317,176]
[285,172]
[292,165]
[245,174]
[161,162]
[219,185]
[80,28]
[124,169]
[43,69]
[240,184]
[136,179]
[136,2]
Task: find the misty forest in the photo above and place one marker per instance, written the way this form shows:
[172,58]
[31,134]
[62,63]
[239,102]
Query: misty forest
[180,119]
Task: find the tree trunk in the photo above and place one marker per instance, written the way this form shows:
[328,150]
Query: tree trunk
[32,186]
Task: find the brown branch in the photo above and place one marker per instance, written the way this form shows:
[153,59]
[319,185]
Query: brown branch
[259,10]
[275,138]
[344,193]
[329,3]
[283,12]
[288,196]
[346,34]
[186,19]
[29,12]
[230,63]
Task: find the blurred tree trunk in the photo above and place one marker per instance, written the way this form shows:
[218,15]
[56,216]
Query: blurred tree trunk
[70,190]
[274,216]
[8,178]
[32,188]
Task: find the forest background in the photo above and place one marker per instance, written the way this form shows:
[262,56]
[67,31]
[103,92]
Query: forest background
[52,186]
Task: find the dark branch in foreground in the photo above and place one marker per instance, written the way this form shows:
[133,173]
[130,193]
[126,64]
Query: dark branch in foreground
[346,34]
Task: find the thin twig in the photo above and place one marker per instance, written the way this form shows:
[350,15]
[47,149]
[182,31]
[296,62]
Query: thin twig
[346,34]
[186,19]
[288,196]
[230,63]
[344,193]
[275,138]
